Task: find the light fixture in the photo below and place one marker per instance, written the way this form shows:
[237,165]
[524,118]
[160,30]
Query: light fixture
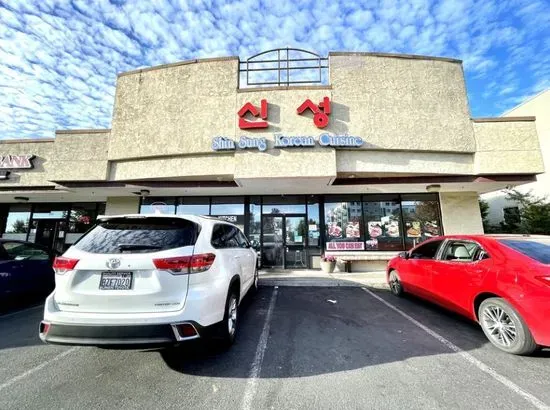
[21,198]
[144,192]
[351,176]
[4,175]
[433,188]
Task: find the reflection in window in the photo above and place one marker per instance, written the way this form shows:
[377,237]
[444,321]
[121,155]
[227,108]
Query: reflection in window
[343,223]
[421,218]
[17,224]
[194,206]
[50,211]
[230,209]
[158,205]
[255,221]
[314,230]
[382,225]
[291,204]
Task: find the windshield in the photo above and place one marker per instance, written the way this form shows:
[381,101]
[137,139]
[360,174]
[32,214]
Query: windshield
[537,249]
[124,235]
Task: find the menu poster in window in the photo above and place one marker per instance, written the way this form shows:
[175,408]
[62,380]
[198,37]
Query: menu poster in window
[375,229]
[352,229]
[430,229]
[413,229]
[371,244]
[392,228]
[334,231]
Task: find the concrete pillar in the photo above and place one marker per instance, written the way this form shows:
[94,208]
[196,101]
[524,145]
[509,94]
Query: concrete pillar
[460,213]
[117,205]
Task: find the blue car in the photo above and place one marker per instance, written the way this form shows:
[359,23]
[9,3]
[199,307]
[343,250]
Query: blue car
[25,269]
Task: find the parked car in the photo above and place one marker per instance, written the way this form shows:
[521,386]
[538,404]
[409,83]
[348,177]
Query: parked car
[147,280]
[502,282]
[25,269]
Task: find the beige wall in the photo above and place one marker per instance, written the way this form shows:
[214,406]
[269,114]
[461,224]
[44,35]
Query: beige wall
[505,145]
[122,205]
[539,106]
[460,213]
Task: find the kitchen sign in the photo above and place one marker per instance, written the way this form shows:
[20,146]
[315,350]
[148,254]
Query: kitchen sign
[284,141]
[16,161]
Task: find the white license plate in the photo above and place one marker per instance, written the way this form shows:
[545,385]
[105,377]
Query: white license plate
[116,281]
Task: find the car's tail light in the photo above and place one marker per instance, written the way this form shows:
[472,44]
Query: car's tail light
[201,263]
[544,279]
[62,265]
[186,264]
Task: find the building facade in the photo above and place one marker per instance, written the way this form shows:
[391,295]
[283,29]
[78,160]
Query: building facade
[375,157]
[500,208]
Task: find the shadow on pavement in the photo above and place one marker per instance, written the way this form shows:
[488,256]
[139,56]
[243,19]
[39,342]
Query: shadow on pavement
[310,335]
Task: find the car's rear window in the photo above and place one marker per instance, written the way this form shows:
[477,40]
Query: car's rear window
[537,249]
[129,235]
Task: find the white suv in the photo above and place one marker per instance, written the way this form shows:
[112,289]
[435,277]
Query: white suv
[150,279]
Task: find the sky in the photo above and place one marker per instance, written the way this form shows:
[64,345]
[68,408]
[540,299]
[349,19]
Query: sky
[59,59]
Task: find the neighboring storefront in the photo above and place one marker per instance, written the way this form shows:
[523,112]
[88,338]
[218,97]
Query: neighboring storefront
[363,162]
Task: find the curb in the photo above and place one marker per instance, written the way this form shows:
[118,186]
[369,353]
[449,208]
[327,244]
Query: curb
[330,283]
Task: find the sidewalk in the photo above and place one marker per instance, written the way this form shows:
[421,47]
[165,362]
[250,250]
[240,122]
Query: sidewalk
[316,277]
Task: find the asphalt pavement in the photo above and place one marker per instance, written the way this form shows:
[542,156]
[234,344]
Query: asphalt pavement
[298,348]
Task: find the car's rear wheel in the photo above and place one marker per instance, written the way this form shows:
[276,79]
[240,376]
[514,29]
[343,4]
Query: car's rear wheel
[504,327]
[394,281]
[229,325]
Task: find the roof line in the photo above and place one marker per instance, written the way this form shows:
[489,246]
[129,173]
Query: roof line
[528,99]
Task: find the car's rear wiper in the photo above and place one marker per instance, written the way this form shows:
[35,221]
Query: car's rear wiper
[136,246]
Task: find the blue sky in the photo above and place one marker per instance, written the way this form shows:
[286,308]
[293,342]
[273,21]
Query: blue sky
[59,59]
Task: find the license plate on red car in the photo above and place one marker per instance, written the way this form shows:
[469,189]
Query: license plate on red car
[116,281]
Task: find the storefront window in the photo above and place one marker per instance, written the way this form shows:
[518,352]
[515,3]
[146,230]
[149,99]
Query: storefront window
[314,226]
[194,206]
[158,205]
[343,223]
[421,218]
[50,211]
[229,209]
[292,204]
[383,230]
[255,221]
[17,224]
[82,218]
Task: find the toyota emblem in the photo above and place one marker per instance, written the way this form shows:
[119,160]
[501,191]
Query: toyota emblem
[113,263]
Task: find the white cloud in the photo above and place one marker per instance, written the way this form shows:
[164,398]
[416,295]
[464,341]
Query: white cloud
[59,58]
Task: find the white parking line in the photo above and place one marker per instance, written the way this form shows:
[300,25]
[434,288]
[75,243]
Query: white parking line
[468,357]
[21,311]
[37,368]
[250,390]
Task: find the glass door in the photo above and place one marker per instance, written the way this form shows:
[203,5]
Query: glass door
[295,242]
[284,241]
[272,241]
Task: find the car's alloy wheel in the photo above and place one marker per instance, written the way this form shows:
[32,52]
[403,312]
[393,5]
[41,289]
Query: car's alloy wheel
[395,283]
[232,315]
[504,327]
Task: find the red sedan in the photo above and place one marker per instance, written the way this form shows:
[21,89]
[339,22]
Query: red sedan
[502,282]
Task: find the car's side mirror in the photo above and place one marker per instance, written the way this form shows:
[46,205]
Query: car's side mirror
[404,255]
[254,244]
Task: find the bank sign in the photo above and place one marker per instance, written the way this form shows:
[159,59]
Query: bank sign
[16,161]
[284,141]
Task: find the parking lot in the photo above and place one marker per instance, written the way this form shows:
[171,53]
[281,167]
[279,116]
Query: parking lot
[298,347]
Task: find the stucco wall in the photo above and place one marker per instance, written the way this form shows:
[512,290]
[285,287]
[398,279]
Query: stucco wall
[460,213]
[403,103]
[117,205]
[38,176]
[174,110]
[391,102]
[507,146]
[80,156]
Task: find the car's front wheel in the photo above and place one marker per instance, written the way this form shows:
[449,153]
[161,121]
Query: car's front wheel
[505,328]
[394,281]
